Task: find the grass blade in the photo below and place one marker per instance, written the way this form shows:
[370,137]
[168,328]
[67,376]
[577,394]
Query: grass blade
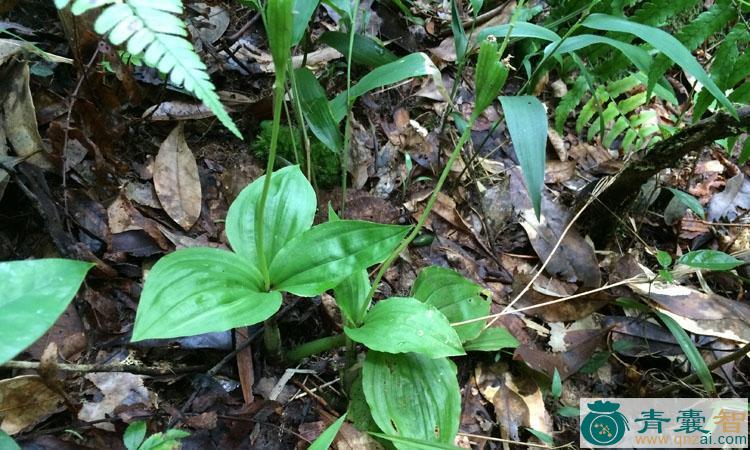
[692,353]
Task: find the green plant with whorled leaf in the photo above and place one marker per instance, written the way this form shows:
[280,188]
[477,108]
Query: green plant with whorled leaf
[199,290]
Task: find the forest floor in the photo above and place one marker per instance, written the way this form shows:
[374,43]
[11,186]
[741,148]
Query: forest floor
[106,199]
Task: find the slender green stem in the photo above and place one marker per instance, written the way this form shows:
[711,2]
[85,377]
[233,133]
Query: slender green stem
[430,203]
[297,106]
[272,339]
[278,99]
[349,105]
[315,347]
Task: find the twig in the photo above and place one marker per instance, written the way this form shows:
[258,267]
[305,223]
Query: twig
[88,368]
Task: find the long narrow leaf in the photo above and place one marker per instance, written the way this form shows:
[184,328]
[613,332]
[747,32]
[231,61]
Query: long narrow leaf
[692,353]
[303,11]
[665,43]
[366,51]
[527,124]
[520,29]
[638,56]
[317,111]
[326,437]
[410,66]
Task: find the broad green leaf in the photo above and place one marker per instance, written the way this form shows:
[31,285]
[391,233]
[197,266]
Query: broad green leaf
[453,295]
[490,76]
[59,4]
[322,257]
[491,340]
[290,210]
[403,325]
[412,396]
[710,260]
[366,51]
[520,29]
[665,43]
[351,296]
[410,66]
[303,11]
[34,294]
[134,435]
[663,258]
[460,40]
[692,353]
[316,110]
[476,6]
[169,440]
[556,388]
[689,201]
[326,437]
[527,124]
[638,56]
[280,28]
[418,444]
[201,290]
[7,442]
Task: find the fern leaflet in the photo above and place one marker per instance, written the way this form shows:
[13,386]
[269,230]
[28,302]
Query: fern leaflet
[154,29]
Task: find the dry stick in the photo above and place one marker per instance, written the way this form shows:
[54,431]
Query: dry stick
[692,377]
[88,368]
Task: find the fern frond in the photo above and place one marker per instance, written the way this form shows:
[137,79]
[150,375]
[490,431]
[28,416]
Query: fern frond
[656,12]
[154,29]
[569,102]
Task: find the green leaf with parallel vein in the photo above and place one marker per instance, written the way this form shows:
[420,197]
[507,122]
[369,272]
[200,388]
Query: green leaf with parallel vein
[326,437]
[351,297]
[491,340]
[415,444]
[317,111]
[154,30]
[35,293]
[689,201]
[403,325]
[323,256]
[665,43]
[520,29]
[201,290]
[527,124]
[710,260]
[412,396]
[638,56]
[290,210]
[453,295]
[303,11]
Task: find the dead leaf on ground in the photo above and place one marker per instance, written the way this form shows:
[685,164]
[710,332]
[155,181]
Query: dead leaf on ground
[727,204]
[581,344]
[559,171]
[574,259]
[118,389]
[546,289]
[699,313]
[67,332]
[518,401]
[176,179]
[26,401]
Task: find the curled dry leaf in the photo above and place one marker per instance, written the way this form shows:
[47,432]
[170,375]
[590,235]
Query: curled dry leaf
[518,401]
[119,389]
[727,203]
[176,179]
[574,260]
[699,313]
[26,401]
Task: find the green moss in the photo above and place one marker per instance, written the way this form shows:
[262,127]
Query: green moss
[325,164]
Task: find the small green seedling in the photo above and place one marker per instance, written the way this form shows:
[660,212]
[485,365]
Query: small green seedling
[135,438]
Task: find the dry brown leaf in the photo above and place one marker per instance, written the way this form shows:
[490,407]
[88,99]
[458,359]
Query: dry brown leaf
[518,401]
[581,344]
[119,389]
[559,171]
[26,401]
[574,259]
[699,313]
[176,179]
[18,116]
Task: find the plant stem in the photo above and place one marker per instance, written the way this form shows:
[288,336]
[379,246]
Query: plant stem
[297,106]
[272,339]
[348,125]
[315,347]
[430,203]
[278,99]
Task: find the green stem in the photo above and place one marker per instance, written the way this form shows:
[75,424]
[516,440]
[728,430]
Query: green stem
[430,203]
[278,99]
[297,106]
[272,339]
[315,347]
[349,105]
